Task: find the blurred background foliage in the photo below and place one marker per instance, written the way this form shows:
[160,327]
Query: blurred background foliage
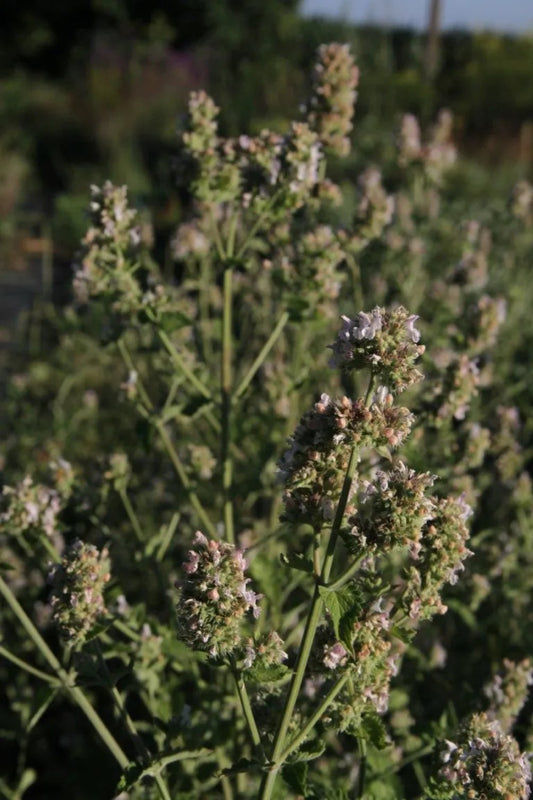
[95,90]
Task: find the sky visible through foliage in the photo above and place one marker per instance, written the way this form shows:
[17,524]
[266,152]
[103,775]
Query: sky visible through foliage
[513,16]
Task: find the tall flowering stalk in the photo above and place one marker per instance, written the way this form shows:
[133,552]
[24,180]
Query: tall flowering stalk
[351,614]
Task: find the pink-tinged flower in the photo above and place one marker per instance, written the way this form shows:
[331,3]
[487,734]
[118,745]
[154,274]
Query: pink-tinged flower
[214,598]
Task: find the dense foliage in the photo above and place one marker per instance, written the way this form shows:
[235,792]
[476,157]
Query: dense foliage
[250,550]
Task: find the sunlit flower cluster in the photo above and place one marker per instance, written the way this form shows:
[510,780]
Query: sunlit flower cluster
[482,762]
[214,598]
[385,342]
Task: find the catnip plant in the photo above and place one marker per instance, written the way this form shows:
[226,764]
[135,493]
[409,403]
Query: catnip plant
[231,592]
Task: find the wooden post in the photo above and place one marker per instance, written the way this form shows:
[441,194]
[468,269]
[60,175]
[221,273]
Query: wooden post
[432,44]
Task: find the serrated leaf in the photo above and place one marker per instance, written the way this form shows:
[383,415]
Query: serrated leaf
[297,561]
[308,751]
[266,673]
[374,731]
[342,604]
[295,776]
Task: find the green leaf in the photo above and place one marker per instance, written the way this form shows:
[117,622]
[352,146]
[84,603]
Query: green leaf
[381,791]
[297,561]
[374,731]
[242,765]
[403,635]
[173,321]
[343,604]
[308,751]
[171,413]
[295,776]
[266,673]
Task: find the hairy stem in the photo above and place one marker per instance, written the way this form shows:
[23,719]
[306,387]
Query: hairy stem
[226,381]
[181,364]
[247,708]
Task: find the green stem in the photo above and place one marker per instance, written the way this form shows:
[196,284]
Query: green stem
[369,389]
[126,357]
[165,438]
[295,685]
[345,576]
[182,475]
[126,630]
[361,746]
[265,350]
[181,365]
[138,743]
[28,667]
[225,782]
[306,730]
[75,692]
[218,239]
[226,381]
[247,708]
[230,248]
[50,549]
[117,699]
[169,533]
[339,514]
[132,516]
[313,619]
[162,787]
[255,227]
[269,779]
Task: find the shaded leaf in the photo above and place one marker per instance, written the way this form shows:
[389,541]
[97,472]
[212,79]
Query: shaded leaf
[297,561]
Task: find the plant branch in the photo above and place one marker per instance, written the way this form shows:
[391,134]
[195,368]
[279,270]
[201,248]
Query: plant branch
[132,516]
[226,381]
[265,350]
[313,619]
[28,667]
[182,474]
[75,692]
[247,708]
[181,364]
[306,730]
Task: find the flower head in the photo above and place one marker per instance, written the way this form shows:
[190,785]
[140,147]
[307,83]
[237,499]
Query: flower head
[78,589]
[386,342]
[214,597]
[330,109]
